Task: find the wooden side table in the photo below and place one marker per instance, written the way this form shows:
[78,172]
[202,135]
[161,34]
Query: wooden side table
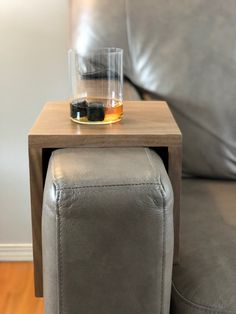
[145,123]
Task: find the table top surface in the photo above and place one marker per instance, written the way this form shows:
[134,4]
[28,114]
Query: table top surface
[145,123]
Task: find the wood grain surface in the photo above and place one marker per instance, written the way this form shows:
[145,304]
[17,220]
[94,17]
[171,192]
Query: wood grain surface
[145,123]
[36,191]
[17,289]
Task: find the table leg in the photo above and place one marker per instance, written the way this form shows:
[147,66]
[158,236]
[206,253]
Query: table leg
[175,174]
[36,190]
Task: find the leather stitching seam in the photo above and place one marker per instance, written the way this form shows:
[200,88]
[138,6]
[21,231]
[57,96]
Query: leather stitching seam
[163,251]
[60,255]
[59,246]
[157,184]
[163,259]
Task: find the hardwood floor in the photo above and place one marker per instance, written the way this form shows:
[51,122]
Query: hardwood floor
[17,289]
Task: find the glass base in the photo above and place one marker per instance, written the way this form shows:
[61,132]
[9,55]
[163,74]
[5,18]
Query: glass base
[95,122]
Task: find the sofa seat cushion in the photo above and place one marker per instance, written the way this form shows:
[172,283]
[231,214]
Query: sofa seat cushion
[205,280]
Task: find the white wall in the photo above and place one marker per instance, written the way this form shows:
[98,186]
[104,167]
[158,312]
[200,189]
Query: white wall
[33,69]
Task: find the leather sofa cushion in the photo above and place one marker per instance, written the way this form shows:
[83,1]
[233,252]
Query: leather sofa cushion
[205,280]
[184,52]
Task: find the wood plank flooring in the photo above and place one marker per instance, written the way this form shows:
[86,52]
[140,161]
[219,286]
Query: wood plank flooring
[17,289]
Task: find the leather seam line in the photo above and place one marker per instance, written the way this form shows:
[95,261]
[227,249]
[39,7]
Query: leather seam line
[163,251]
[59,235]
[157,184]
[147,151]
[60,257]
[200,307]
[163,259]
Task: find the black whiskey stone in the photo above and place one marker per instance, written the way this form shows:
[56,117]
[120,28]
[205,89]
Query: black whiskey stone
[78,108]
[96,111]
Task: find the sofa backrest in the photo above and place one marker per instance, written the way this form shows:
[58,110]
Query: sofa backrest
[183,51]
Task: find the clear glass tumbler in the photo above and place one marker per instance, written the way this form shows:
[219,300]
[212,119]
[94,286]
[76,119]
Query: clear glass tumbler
[97,86]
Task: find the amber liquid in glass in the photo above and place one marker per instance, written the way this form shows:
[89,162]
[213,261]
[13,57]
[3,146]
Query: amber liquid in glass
[99,111]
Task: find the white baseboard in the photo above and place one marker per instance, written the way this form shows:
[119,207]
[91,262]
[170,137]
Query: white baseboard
[16,252]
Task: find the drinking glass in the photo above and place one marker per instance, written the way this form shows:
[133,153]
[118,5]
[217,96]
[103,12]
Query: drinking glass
[97,86]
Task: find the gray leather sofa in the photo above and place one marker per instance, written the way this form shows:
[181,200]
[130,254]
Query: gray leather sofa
[184,52]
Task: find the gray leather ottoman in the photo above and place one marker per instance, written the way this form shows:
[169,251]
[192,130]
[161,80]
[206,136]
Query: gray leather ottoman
[107,232]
